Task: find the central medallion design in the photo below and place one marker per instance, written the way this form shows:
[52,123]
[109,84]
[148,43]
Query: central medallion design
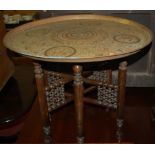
[126,38]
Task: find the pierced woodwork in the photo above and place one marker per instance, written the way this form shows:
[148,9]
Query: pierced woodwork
[99,76]
[106,92]
[107,95]
[54,91]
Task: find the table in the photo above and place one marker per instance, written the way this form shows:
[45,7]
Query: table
[78,39]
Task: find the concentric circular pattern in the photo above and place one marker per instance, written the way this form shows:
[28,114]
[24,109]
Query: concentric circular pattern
[80,35]
[58,51]
[76,34]
[126,38]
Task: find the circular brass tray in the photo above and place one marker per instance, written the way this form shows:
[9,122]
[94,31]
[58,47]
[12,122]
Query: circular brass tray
[78,38]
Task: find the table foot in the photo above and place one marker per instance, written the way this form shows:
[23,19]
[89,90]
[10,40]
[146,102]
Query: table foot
[80,140]
[47,134]
[119,133]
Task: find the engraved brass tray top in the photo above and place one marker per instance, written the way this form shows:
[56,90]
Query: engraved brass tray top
[78,38]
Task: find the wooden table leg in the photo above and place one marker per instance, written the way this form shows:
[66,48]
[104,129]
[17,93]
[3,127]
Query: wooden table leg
[39,77]
[78,99]
[121,98]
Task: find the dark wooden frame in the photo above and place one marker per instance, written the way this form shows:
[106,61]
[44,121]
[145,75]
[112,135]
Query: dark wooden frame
[79,99]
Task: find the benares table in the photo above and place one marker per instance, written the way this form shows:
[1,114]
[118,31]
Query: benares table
[77,40]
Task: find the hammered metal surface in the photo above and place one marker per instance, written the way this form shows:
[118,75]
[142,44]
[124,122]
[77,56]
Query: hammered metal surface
[80,37]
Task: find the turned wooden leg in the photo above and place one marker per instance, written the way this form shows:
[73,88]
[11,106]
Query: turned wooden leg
[78,99]
[39,77]
[121,98]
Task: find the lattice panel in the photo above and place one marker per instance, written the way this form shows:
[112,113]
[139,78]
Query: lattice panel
[107,95]
[55,91]
[99,76]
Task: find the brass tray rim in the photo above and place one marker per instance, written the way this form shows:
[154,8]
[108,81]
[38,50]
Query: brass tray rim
[73,17]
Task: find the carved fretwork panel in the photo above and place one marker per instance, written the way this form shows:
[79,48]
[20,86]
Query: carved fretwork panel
[55,91]
[107,95]
[99,76]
